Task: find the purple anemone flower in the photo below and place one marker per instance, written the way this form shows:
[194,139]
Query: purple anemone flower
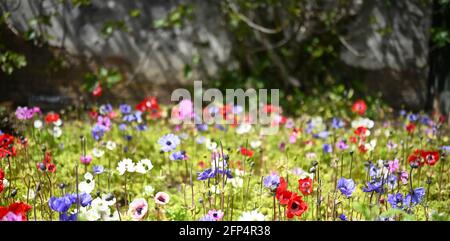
[346,186]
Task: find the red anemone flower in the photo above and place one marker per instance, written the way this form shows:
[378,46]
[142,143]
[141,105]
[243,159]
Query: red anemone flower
[361,131]
[359,107]
[149,104]
[430,157]
[416,158]
[362,148]
[51,117]
[7,147]
[282,194]
[18,208]
[305,186]
[410,128]
[296,206]
[93,114]
[246,152]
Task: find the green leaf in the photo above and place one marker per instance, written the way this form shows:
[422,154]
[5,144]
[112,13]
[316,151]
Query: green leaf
[187,71]
[135,13]
[113,78]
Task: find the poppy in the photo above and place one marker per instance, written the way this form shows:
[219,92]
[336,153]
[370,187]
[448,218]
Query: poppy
[246,152]
[416,158]
[296,206]
[359,107]
[305,186]
[430,157]
[361,131]
[150,105]
[7,147]
[19,208]
[93,114]
[410,128]
[51,117]
[282,194]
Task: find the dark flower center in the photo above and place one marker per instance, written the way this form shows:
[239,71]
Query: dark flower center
[161,198]
[294,206]
[168,143]
[139,210]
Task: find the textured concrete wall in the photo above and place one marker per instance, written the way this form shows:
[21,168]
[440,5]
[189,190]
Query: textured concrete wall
[158,55]
[388,41]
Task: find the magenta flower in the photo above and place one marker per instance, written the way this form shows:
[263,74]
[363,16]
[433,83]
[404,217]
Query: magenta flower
[138,209]
[393,166]
[162,198]
[404,177]
[86,160]
[341,145]
[216,215]
[10,216]
[105,122]
[25,113]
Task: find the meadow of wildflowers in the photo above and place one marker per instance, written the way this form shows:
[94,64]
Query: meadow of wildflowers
[130,162]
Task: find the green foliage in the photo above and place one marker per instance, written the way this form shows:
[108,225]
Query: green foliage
[11,61]
[110,27]
[108,77]
[440,37]
[435,216]
[77,3]
[135,13]
[176,17]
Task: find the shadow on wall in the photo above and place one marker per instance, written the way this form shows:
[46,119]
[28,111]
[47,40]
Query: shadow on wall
[151,59]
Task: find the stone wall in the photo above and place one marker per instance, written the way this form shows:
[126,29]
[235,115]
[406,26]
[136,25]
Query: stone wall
[387,42]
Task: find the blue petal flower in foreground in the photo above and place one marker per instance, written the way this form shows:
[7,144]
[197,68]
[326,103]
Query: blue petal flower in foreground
[346,186]
[272,181]
[169,142]
[60,204]
[396,200]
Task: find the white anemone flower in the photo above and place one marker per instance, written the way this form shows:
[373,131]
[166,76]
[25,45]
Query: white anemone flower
[88,184]
[243,128]
[126,165]
[211,145]
[98,152]
[56,131]
[368,123]
[147,163]
[371,145]
[255,144]
[111,145]
[38,124]
[252,216]
[58,122]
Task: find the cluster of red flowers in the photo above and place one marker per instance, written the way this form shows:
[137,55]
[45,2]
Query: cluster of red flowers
[295,204]
[7,145]
[47,164]
[150,105]
[2,176]
[422,157]
[359,107]
[15,212]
